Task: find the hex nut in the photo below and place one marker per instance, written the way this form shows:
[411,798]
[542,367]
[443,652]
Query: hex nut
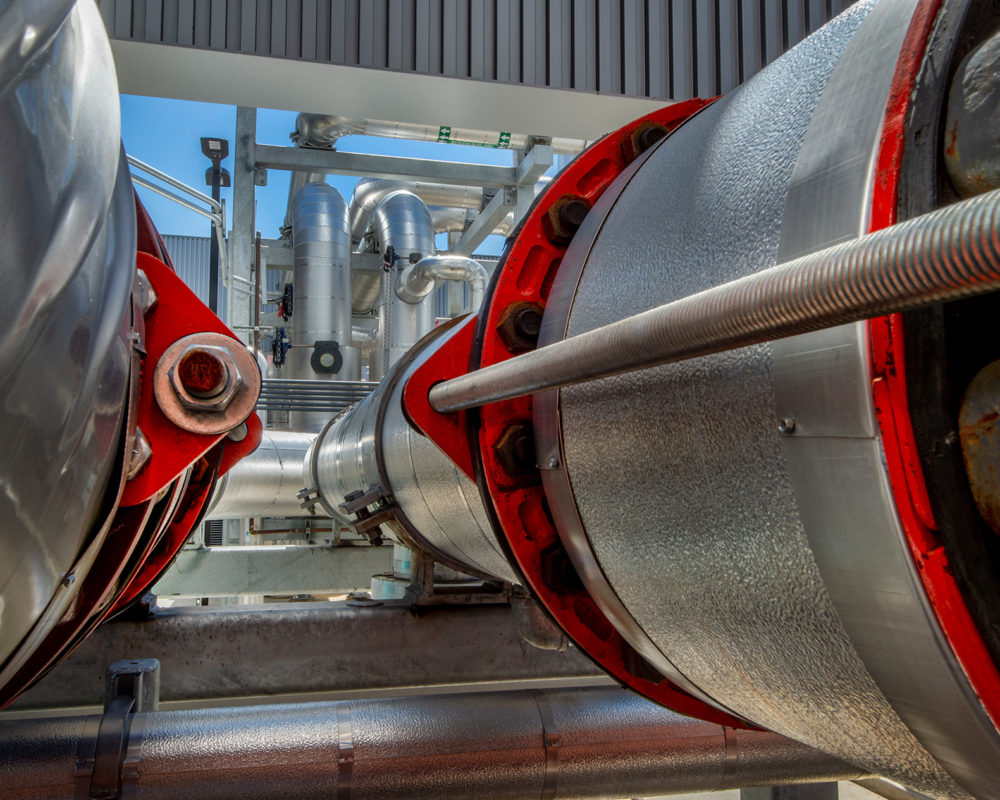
[219,401]
[519,326]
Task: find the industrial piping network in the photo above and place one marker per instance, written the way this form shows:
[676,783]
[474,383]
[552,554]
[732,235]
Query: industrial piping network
[761,496]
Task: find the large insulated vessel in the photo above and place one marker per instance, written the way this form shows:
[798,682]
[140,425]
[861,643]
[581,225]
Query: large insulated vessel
[787,531]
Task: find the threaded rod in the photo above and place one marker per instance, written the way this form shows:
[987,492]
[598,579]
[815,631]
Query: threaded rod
[951,253]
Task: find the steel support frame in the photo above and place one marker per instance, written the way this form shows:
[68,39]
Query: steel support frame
[241,242]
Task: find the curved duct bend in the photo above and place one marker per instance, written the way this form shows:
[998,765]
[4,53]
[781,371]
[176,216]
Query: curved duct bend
[402,222]
[417,281]
[321,317]
[265,483]
[369,191]
[323,130]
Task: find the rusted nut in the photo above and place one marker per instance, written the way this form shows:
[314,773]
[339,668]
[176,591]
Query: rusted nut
[515,449]
[642,138]
[206,383]
[520,325]
[564,218]
[206,377]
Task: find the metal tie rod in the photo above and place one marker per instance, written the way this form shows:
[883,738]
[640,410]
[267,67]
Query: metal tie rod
[948,254]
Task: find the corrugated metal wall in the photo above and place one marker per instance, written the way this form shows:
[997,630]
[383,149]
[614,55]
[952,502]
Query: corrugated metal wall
[665,49]
[190,257]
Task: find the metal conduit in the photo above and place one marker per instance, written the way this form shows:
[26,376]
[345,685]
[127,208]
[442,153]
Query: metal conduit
[948,254]
[569,743]
[417,281]
[265,483]
[369,191]
[323,130]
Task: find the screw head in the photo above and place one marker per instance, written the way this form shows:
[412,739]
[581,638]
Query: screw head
[553,463]
[572,213]
[786,426]
[528,322]
[202,373]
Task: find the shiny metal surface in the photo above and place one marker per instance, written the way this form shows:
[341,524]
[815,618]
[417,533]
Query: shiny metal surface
[437,499]
[416,281]
[330,397]
[971,145]
[401,221]
[369,191]
[822,382]
[286,650]
[576,743]
[944,255]
[266,482]
[323,130]
[67,260]
[322,279]
[734,599]
[456,220]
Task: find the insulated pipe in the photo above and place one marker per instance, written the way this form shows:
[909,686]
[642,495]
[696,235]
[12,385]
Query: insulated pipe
[369,191]
[265,483]
[569,743]
[456,220]
[323,130]
[321,318]
[296,182]
[944,255]
[402,222]
[416,281]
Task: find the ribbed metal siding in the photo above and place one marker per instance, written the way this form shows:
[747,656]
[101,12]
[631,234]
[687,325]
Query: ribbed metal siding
[669,49]
[190,258]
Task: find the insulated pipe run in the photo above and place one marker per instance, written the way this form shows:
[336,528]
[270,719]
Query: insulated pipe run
[402,222]
[417,281]
[323,130]
[265,483]
[321,316]
[369,191]
[296,182]
[456,220]
[945,255]
[569,743]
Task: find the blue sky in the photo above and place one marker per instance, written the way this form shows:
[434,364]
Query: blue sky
[165,134]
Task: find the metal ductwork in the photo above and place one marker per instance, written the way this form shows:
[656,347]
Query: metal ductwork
[416,281]
[267,482]
[369,191]
[403,233]
[322,348]
[572,743]
[456,220]
[324,130]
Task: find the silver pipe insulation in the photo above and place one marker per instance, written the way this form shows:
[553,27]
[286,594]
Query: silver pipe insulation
[323,130]
[322,307]
[401,221]
[568,743]
[456,220]
[296,182]
[265,483]
[416,281]
[369,191]
[947,254]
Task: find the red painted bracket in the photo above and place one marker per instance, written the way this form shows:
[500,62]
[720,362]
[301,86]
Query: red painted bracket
[450,432]
[177,313]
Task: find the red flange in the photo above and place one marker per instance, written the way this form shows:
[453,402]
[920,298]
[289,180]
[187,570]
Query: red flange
[888,375]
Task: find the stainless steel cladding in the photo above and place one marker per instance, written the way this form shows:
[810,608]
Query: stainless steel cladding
[265,483]
[369,191]
[322,308]
[750,576]
[373,444]
[401,221]
[416,281]
[67,262]
[569,743]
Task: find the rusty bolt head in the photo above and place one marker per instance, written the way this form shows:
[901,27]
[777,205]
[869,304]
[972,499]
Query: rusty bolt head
[515,449]
[520,325]
[564,218]
[205,377]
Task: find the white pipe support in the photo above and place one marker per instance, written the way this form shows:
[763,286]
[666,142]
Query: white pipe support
[417,281]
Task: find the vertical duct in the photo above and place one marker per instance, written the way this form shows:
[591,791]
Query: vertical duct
[321,314]
[404,234]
